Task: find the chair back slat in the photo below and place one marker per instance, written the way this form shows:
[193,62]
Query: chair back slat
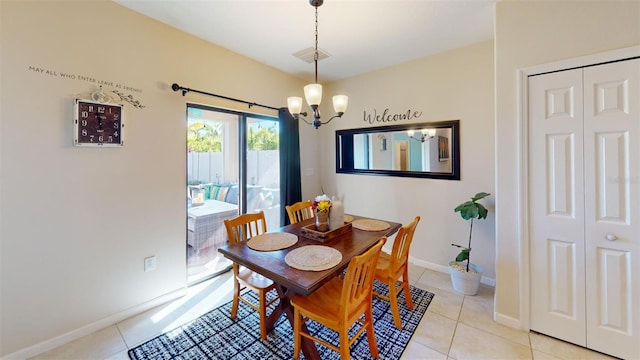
[245,226]
[402,243]
[299,211]
[358,281]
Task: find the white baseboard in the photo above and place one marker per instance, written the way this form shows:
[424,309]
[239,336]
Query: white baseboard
[497,317]
[507,321]
[93,327]
[429,265]
[488,281]
[445,269]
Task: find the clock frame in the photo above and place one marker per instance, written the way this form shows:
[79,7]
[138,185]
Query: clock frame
[97,124]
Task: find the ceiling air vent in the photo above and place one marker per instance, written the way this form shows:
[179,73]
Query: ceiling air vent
[306,55]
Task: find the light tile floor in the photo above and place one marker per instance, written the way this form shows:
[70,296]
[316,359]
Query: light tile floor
[454,327]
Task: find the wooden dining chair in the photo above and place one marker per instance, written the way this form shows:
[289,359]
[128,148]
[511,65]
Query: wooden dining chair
[340,303]
[391,268]
[299,211]
[242,228]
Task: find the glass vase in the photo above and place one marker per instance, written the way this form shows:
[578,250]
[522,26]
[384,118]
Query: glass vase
[322,221]
[336,217]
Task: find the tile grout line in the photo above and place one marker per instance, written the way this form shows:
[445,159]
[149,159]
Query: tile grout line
[122,336]
[455,329]
[123,341]
[530,345]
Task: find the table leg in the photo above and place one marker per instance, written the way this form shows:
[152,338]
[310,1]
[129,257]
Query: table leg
[307,345]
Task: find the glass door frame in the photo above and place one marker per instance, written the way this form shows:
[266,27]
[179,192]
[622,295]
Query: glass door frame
[242,151]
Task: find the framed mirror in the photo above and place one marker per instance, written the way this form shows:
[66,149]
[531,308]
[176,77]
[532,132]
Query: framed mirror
[425,150]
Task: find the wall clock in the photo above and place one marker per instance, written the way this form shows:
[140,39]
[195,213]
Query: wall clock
[97,123]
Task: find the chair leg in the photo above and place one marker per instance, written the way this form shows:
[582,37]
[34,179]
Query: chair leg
[263,315]
[297,326]
[371,336]
[407,291]
[344,342]
[393,299]
[236,296]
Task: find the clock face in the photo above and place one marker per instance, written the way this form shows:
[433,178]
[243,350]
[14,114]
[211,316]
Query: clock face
[97,124]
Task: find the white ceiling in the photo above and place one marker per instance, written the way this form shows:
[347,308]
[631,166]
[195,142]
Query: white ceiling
[360,36]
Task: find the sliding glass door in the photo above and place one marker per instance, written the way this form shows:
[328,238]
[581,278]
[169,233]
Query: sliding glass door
[232,168]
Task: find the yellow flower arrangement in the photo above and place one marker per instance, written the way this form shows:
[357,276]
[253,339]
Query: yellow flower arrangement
[321,206]
[321,203]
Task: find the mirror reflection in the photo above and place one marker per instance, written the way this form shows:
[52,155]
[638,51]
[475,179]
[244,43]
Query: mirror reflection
[415,150]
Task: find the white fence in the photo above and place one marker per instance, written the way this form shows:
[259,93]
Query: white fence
[263,168]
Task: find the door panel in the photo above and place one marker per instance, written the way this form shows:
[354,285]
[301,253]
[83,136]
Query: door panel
[263,169]
[612,209]
[614,295]
[611,162]
[556,198]
[562,300]
[560,155]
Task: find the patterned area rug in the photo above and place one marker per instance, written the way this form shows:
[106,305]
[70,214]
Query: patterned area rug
[215,336]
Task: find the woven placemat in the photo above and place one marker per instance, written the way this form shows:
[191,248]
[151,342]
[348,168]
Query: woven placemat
[370,225]
[348,218]
[313,258]
[272,241]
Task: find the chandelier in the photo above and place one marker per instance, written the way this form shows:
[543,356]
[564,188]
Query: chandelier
[313,92]
[425,134]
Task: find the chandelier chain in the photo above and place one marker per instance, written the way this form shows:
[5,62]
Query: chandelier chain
[315,54]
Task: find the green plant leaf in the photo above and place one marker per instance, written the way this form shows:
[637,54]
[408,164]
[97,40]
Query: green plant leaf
[482,213]
[463,255]
[472,209]
[480,195]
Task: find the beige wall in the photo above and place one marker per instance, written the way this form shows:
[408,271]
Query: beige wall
[528,34]
[449,86]
[78,222]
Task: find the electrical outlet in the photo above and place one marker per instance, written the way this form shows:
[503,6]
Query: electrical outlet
[150,263]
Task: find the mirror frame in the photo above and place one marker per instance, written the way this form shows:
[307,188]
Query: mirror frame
[344,160]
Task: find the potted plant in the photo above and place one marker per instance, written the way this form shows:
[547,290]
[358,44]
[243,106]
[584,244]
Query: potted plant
[465,277]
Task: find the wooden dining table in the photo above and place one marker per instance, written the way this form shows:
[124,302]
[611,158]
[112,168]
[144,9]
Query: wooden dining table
[290,281]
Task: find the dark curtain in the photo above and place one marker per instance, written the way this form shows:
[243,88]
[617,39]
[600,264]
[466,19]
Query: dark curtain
[290,177]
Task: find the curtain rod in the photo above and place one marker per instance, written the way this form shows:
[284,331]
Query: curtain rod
[184,90]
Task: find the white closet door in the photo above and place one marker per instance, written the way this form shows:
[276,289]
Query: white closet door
[612,207]
[584,194]
[556,197]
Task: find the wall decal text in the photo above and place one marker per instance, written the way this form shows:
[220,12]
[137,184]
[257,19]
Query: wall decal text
[386,116]
[90,79]
[80,77]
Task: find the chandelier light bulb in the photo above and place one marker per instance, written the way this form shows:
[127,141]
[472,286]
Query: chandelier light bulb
[294,103]
[340,103]
[313,94]
[425,134]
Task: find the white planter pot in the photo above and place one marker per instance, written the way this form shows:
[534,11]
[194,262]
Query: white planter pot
[464,282]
